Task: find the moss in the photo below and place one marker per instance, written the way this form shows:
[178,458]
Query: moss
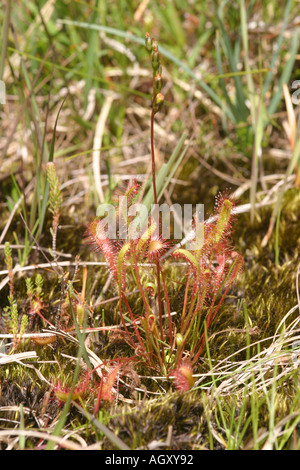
[142,424]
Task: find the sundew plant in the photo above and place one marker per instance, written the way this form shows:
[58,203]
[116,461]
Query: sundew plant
[167,344]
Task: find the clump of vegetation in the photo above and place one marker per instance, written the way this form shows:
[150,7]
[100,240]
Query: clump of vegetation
[13,324]
[213,266]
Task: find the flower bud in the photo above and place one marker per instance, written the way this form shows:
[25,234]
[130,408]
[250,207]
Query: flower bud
[154,44]
[148,42]
[157,83]
[159,101]
[179,339]
[155,58]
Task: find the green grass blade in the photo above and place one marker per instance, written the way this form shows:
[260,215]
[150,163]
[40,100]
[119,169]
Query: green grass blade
[241,108]
[222,81]
[286,73]
[46,184]
[257,154]
[277,49]
[5,37]
[249,78]
[92,52]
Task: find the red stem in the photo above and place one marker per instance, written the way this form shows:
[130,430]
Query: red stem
[140,284]
[153,154]
[133,322]
[156,214]
[125,327]
[185,300]
[160,307]
[169,310]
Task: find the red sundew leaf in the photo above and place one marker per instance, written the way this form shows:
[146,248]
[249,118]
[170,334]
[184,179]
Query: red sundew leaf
[183,376]
[107,383]
[101,243]
[220,271]
[130,191]
[62,392]
[223,201]
[238,266]
[156,248]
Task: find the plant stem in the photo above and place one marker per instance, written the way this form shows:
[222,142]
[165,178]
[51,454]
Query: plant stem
[145,300]
[133,320]
[156,215]
[169,311]
[160,307]
[153,156]
[185,300]
[124,324]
